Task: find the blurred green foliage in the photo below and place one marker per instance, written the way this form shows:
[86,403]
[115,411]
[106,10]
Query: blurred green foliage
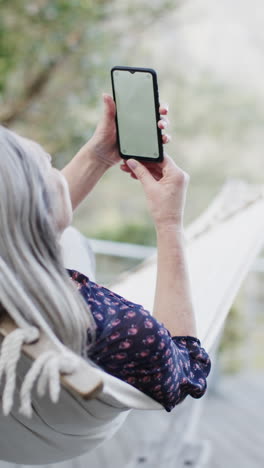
[55,60]
[138,233]
[47,59]
[36,34]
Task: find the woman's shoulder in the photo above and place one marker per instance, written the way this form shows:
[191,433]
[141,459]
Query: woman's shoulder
[115,315]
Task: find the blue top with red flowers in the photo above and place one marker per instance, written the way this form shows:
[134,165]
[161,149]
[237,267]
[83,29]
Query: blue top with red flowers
[135,347]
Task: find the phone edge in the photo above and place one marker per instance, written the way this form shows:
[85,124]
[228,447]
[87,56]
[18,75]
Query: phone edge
[157,104]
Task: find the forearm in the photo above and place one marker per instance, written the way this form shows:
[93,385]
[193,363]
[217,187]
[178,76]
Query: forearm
[82,174]
[173,304]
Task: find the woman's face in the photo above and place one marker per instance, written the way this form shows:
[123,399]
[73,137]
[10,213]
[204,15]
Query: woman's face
[58,183]
[64,205]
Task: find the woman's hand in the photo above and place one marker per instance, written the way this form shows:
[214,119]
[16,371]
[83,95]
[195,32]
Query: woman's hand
[165,185]
[103,144]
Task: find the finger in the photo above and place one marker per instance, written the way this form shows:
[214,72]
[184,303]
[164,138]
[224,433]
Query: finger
[166,138]
[148,164]
[164,109]
[157,174]
[109,106]
[152,166]
[163,123]
[141,171]
[167,164]
[125,168]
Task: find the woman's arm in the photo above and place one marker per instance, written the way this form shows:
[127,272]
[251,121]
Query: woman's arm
[82,174]
[173,304]
[165,187]
[99,153]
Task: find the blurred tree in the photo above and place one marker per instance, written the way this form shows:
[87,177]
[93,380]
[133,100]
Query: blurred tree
[37,37]
[44,50]
[55,57]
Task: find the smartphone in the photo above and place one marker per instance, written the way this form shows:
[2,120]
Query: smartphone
[135,92]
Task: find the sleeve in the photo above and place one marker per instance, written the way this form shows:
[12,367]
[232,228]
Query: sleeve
[135,347]
[196,365]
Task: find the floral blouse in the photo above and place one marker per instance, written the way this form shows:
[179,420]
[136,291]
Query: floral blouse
[135,347]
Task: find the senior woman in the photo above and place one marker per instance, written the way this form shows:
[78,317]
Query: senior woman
[160,355]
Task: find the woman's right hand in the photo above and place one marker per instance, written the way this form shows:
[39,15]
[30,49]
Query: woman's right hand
[165,186]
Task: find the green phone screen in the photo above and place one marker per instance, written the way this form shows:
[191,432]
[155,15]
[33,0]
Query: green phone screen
[136,114]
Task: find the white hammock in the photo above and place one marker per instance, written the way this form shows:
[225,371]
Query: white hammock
[221,246]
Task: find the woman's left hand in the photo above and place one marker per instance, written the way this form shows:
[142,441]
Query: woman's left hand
[103,144]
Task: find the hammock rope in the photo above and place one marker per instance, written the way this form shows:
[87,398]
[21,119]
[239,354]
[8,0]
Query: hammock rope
[225,206]
[48,366]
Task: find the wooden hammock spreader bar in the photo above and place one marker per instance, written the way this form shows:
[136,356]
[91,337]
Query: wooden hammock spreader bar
[84,381]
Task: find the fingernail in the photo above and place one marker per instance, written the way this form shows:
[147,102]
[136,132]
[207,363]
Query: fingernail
[131,163]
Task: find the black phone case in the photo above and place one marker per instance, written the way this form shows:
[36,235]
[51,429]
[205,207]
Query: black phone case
[156,97]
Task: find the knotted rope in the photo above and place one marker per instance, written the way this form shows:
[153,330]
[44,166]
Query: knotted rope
[10,353]
[47,366]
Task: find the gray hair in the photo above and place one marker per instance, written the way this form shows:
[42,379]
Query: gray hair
[31,264]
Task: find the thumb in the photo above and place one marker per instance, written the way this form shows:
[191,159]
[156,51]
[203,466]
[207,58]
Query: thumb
[109,107]
[140,171]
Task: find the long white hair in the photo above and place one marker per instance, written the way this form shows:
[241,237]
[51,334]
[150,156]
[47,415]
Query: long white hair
[31,266]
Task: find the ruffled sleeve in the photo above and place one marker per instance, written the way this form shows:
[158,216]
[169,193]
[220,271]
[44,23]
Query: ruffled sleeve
[196,366]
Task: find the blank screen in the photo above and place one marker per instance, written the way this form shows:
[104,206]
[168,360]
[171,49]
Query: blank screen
[136,114]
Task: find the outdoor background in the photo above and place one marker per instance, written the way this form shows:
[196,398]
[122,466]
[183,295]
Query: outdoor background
[55,61]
